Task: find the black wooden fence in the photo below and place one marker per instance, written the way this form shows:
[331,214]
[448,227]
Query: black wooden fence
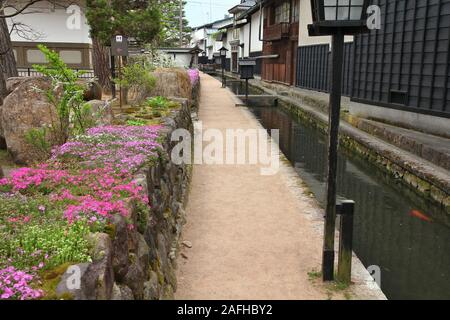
[404,65]
[313,68]
[258,67]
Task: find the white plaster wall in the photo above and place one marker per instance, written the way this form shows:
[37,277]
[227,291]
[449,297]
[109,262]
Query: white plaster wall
[181,60]
[306,18]
[256,45]
[197,36]
[245,39]
[229,38]
[51,24]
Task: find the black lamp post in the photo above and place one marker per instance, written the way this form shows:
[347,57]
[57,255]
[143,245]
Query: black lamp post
[336,18]
[223,54]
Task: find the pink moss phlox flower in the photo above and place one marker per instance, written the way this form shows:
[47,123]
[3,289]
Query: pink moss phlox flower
[194,76]
[95,210]
[15,284]
[118,147]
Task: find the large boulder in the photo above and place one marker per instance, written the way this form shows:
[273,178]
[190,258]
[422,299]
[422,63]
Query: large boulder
[102,112]
[172,82]
[14,82]
[27,108]
[92,89]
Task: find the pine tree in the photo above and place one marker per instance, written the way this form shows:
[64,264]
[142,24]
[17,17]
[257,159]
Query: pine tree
[170,33]
[137,19]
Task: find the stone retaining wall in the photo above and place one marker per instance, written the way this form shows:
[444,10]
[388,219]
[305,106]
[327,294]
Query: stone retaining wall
[140,263]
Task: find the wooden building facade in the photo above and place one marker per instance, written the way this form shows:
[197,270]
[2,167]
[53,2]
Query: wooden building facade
[280,36]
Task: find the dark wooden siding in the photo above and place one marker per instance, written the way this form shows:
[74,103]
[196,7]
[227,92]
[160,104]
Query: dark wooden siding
[258,68]
[313,67]
[405,65]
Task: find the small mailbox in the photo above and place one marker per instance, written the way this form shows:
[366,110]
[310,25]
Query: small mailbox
[247,68]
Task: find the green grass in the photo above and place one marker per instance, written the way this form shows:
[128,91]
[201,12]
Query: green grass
[314,275]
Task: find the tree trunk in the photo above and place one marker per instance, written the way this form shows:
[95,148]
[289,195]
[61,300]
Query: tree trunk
[7,58]
[100,57]
[8,66]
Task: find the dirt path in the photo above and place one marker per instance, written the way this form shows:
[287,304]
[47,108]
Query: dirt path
[252,236]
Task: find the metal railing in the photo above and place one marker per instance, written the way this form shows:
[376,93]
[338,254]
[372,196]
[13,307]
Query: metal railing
[30,72]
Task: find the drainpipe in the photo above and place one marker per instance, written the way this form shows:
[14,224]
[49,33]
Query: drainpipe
[260,21]
[250,36]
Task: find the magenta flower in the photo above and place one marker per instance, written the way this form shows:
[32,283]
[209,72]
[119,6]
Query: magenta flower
[15,284]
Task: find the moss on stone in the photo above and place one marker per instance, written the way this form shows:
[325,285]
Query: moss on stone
[50,281]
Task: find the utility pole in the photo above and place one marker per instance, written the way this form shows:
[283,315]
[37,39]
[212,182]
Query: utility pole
[181,23]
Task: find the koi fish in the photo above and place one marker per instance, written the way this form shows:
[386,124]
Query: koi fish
[420,215]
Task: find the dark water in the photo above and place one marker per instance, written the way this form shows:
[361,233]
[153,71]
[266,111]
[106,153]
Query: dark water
[238,87]
[413,254]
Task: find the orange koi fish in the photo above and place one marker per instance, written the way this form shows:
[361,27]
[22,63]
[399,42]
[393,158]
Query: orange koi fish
[420,215]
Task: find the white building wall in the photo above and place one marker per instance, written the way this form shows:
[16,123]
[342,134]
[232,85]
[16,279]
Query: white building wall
[246,39]
[256,45]
[53,25]
[181,60]
[242,40]
[197,38]
[305,18]
[229,38]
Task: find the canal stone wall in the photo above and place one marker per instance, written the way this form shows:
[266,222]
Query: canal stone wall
[140,263]
[427,180]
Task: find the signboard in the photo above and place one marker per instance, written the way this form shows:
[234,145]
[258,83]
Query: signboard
[247,68]
[247,62]
[119,46]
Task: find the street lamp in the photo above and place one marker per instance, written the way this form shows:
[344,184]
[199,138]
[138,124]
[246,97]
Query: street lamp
[223,54]
[336,18]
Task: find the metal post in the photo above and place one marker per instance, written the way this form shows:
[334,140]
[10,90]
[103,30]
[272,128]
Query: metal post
[113,74]
[222,60]
[120,85]
[333,131]
[346,211]
[246,92]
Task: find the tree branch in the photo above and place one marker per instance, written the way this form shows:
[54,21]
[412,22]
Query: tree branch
[18,11]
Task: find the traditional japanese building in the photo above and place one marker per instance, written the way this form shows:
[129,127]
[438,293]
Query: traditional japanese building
[60,25]
[280,36]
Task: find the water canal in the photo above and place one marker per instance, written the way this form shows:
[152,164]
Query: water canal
[407,236]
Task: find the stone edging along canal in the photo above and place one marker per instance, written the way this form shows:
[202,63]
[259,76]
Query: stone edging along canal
[422,177]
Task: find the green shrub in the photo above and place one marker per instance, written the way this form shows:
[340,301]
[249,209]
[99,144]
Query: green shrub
[70,104]
[137,122]
[136,76]
[39,139]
